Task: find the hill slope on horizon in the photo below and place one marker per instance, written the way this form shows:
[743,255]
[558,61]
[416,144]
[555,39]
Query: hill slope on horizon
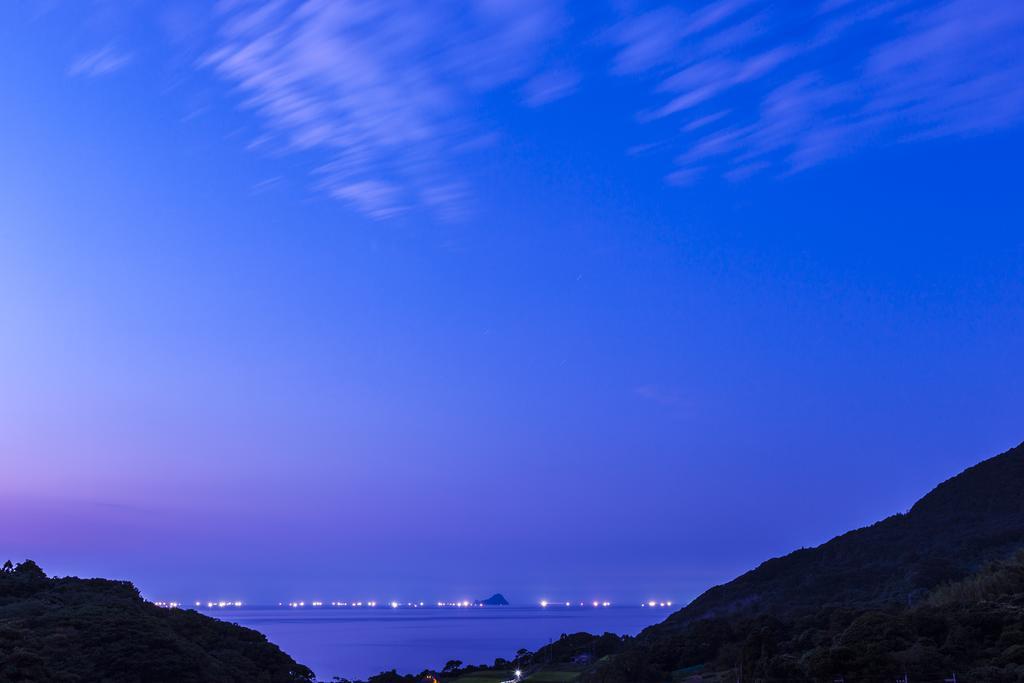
[967,521]
[937,591]
[78,630]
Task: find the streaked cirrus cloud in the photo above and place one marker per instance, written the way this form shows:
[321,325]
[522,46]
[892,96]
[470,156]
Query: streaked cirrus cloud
[105,60]
[750,85]
[384,88]
[384,96]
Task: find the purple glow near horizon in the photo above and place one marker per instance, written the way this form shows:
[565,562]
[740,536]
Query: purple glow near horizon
[609,301]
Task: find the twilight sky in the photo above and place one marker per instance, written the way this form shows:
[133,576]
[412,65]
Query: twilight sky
[407,300]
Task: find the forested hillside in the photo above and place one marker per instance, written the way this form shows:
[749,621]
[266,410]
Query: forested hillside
[85,630]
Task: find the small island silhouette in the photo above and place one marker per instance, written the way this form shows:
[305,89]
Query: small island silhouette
[496,600]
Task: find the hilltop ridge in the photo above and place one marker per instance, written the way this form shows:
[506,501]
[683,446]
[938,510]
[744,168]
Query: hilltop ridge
[965,522]
[71,629]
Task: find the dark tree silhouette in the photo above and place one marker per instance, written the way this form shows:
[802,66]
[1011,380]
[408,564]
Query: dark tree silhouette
[70,629]
[29,569]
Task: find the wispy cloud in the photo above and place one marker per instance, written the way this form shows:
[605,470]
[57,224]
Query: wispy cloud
[384,89]
[383,97]
[550,86]
[754,86]
[665,397]
[101,62]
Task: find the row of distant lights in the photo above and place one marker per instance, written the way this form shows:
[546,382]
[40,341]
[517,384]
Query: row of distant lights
[220,603]
[595,603]
[395,605]
[199,603]
[373,603]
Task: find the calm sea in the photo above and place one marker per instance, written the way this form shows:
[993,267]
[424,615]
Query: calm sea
[355,643]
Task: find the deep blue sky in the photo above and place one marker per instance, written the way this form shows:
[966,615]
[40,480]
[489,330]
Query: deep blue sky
[424,301]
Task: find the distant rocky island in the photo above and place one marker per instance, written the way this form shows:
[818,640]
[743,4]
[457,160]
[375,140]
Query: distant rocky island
[496,600]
